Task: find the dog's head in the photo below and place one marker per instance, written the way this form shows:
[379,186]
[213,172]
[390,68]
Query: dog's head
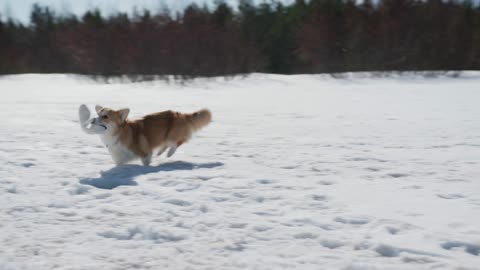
[110,119]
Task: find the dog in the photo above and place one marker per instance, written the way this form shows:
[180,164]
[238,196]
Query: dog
[127,140]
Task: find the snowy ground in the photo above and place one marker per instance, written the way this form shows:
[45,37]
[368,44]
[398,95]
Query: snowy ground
[295,172]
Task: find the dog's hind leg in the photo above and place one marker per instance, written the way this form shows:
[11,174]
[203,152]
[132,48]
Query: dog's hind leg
[161,150]
[172,150]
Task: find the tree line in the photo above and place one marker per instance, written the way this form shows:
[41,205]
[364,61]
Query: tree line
[316,36]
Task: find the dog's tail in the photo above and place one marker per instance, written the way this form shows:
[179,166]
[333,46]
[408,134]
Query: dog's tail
[200,119]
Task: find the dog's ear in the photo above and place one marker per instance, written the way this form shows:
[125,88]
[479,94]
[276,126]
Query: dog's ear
[124,113]
[98,108]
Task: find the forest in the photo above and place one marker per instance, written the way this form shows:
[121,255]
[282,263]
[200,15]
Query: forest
[316,36]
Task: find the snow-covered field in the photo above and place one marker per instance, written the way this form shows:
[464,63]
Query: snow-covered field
[295,172]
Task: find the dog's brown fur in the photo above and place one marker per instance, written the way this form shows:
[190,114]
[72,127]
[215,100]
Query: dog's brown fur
[154,131]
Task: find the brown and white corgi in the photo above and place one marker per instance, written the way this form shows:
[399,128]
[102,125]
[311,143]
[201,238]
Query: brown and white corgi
[130,139]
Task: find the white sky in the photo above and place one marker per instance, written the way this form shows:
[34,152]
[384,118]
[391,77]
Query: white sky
[20,9]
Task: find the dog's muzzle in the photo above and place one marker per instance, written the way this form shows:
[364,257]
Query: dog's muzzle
[97,123]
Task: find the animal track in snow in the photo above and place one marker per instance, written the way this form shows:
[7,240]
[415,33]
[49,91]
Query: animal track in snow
[220,199]
[305,235]
[188,188]
[373,169]
[289,167]
[392,230]
[264,181]
[238,225]
[141,233]
[472,249]
[326,183]
[331,244]
[12,189]
[352,220]
[319,197]
[397,175]
[261,228]
[451,196]
[387,251]
[102,196]
[237,246]
[358,159]
[22,164]
[391,251]
[178,202]
[413,187]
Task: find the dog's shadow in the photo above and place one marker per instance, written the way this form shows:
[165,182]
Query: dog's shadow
[123,175]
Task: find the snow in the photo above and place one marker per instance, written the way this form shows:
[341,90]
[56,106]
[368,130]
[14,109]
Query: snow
[295,172]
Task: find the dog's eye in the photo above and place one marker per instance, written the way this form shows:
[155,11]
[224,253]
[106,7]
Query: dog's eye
[105,117]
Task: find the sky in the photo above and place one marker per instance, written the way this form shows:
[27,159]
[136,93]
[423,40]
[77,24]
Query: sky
[20,9]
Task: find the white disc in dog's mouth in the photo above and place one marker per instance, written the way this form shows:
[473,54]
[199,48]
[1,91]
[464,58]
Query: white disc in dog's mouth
[98,127]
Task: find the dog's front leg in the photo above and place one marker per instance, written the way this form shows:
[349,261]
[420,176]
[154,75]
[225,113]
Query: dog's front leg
[146,160]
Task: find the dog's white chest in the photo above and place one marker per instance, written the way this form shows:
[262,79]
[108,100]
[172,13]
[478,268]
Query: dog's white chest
[119,153]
